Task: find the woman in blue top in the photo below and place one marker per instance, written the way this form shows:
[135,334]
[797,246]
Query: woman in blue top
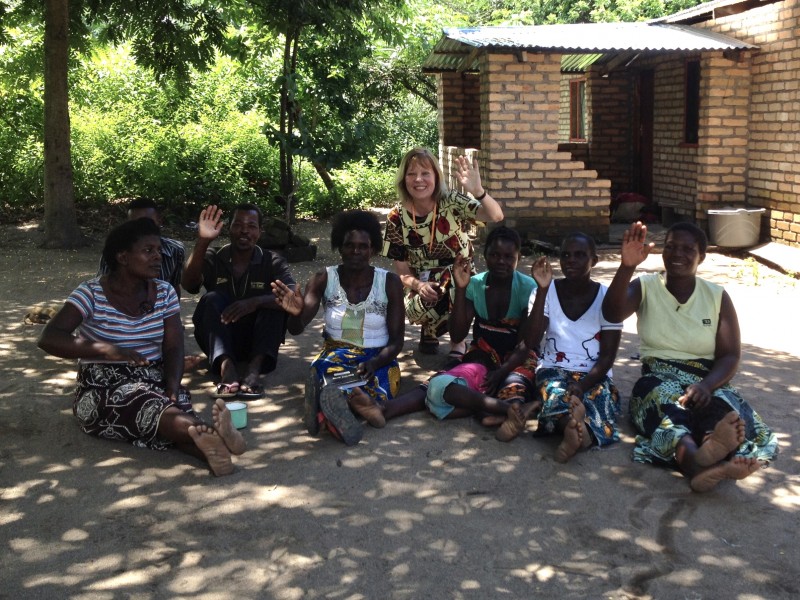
[130,346]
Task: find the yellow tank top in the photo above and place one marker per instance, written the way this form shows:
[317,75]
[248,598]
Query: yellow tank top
[670,330]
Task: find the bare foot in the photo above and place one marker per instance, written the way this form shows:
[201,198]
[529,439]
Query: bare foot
[191,362]
[513,425]
[213,448]
[224,426]
[725,438]
[493,420]
[575,434]
[365,406]
[738,467]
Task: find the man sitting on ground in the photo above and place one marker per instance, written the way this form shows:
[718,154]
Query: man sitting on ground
[237,319]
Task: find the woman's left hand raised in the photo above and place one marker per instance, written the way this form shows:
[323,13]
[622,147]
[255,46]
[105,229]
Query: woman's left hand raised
[289,300]
[541,272]
[469,176]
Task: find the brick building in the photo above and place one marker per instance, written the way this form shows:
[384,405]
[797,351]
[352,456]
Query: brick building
[695,111]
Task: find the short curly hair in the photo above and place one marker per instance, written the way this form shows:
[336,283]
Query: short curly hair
[249,207]
[579,235]
[124,236]
[356,220]
[698,234]
[502,233]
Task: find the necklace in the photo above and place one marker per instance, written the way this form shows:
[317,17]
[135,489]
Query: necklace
[244,287]
[433,222]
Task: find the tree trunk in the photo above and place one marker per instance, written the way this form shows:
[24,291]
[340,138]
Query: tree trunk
[60,221]
[289,110]
[325,176]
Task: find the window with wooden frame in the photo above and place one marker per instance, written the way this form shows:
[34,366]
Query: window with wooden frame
[691,112]
[577,110]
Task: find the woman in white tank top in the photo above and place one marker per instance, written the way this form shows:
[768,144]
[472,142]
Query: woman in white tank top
[362,336]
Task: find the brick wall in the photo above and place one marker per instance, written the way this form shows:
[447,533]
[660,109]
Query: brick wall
[773,151]
[674,163]
[610,114]
[544,192]
[459,112]
[692,178]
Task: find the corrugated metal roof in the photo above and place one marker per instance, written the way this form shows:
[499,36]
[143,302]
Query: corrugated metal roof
[460,46]
[578,63]
[710,10]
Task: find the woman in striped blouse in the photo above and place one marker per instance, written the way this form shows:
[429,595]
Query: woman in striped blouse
[129,344]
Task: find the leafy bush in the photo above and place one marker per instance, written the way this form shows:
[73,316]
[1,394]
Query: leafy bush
[357,185]
[185,148]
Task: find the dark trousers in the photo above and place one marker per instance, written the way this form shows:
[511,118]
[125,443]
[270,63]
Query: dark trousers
[261,332]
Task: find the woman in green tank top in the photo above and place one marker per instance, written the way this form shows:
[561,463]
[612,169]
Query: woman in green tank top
[685,411]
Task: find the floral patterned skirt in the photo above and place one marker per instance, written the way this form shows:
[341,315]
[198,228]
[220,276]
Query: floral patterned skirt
[601,403]
[336,354]
[117,401]
[662,421]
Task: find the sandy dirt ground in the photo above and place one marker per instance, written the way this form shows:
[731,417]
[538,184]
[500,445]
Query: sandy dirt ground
[420,509]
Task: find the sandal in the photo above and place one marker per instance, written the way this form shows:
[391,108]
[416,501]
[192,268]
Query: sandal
[311,408]
[225,390]
[340,418]
[428,344]
[250,392]
[454,358]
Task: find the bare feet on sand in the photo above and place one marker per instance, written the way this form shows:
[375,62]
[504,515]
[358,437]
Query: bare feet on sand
[738,467]
[365,406]
[213,448]
[493,420]
[222,423]
[725,438]
[191,362]
[576,436]
[512,426]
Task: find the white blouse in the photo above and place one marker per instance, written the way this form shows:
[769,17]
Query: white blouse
[362,324]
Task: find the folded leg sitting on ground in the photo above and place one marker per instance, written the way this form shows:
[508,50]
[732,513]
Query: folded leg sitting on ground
[238,319]
[580,400]
[497,370]
[363,333]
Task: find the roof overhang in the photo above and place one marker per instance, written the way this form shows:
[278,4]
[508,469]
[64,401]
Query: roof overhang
[580,45]
[714,9]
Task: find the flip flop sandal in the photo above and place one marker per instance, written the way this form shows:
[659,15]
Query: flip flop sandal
[311,407]
[337,411]
[453,358]
[250,392]
[225,390]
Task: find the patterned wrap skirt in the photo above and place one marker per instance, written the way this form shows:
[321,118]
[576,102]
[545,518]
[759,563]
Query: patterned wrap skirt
[117,401]
[661,421]
[518,386]
[432,315]
[601,403]
[337,354]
